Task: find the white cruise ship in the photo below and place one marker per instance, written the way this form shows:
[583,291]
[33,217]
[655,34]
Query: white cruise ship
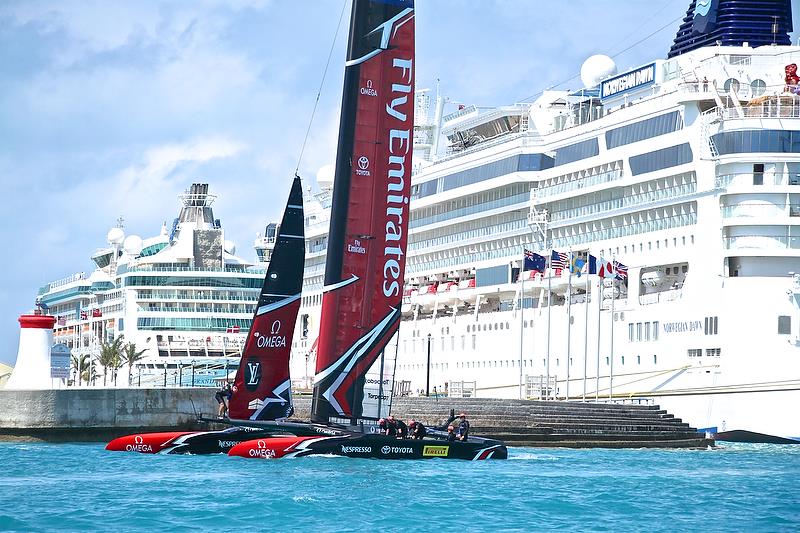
[183,297]
[686,170]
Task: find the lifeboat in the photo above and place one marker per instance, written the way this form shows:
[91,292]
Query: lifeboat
[426,296]
[466,291]
[447,293]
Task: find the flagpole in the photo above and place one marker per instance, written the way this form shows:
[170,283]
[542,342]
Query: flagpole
[611,369]
[549,309]
[599,307]
[586,325]
[521,318]
[569,320]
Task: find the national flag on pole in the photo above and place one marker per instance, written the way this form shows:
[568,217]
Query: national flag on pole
[84,315]
[96,313]
[604,268]
[620,270]
[558,260]
[576,265]
[591,264]
[61,320]
[534,261]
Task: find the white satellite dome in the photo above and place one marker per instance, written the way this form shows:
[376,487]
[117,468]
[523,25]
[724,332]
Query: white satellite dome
[597,68]
[230,247]
[133,245]
[115,236]
[325,177]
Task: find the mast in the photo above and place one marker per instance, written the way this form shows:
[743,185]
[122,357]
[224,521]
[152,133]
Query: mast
[365,262]
[262,386]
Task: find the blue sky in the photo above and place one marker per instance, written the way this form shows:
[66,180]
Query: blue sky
[111,109]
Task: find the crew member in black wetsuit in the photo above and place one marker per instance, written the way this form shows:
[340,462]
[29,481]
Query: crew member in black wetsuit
[387,427]
[402,428]
[463,427]
[451,433]
[223,396]
[416,429]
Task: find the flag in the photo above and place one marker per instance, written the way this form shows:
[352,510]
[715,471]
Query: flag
[534,261]
[84,315]
[591,265]
[61,320]
[621,270]
[576,265]
[558,260]
[604,268]
[96,313]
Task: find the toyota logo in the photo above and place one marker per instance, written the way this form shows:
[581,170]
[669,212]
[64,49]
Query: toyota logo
[363,162]
[138,439]
[386,449]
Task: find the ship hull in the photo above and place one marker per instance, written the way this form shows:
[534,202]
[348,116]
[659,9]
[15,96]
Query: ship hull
[371,446]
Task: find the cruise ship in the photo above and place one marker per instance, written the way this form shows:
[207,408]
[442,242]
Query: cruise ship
[669,195]
[682,175]
[182,297]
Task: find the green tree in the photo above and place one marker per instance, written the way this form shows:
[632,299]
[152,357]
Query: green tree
[81,366]
[110,356]
[130,356]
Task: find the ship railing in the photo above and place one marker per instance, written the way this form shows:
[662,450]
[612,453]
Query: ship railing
[753,209]
[750,179]
[540,387]
[559,188]
[187,268]
[762,242]
[461,389]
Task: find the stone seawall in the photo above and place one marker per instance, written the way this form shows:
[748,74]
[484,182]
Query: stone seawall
[97,414]
[102,414]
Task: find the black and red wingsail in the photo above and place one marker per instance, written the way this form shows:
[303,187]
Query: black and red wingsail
[262,387]
[365,262]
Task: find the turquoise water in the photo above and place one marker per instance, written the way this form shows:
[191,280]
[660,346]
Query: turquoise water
[78,487]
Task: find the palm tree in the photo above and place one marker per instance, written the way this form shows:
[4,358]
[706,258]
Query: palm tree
[110,356]
[81,366]
[130,356]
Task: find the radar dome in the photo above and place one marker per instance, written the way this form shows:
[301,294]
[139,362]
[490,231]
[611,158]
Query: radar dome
[115,236]
[597,68]
[325,177]
[133,245]
[230,247]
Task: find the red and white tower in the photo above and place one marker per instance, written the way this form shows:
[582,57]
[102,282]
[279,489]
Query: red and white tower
[32,370]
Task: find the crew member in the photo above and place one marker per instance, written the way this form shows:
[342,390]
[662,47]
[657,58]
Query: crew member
[417,429]
[451,433]
[401,429]
[387,427]
[223,396]
[463,427]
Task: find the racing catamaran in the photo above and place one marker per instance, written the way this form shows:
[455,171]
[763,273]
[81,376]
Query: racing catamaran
[365,262]
[262,388]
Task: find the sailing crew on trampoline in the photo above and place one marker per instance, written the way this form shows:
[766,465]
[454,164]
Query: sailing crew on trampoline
[416,429]
[463,427]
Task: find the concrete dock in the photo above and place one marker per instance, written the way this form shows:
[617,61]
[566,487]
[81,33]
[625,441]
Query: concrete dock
[102,414]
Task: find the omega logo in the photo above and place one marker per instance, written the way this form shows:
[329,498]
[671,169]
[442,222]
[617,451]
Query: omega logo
[368,90]
[138,439]
[276,327]
[261,445]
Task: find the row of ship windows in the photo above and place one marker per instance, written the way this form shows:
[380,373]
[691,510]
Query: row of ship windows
[644,331]
[192,324]
[632,248]
[516,193]
[480,230]
[193,281]
[757,141]
[182,294]
[623,135]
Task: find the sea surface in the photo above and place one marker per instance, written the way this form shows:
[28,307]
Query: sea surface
[80,487]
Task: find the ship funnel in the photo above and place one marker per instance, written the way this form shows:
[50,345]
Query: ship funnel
[32,369]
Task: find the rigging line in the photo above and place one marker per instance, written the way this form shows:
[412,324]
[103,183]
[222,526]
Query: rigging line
[637,43]
[319,91]
[641,25]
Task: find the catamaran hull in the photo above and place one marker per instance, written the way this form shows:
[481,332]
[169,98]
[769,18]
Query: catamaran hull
[370,446]
[188,442]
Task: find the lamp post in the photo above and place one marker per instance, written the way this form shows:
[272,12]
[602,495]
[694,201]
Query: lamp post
[428,374]
[537,221]
[192,372]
